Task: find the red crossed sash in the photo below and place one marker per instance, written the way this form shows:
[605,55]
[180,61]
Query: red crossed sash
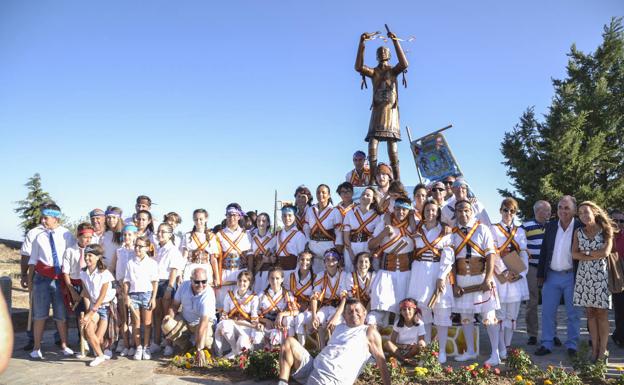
[232,245]
[385,204]
[326,283]
[358,291]
[363,223]
[318,226]
[274,303]
[429,246]
[299,292]
[200,246]
[401,225]
[261,244]
[344,211]
[238,307]
[509,238]
[356,180]
[466,239]
[300,218]
[281,245]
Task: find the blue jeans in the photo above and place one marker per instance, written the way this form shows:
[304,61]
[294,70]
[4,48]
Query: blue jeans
[47,291]
[558,283]
[140,300]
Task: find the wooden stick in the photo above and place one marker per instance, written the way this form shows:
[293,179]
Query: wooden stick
[30,305]
[83,342]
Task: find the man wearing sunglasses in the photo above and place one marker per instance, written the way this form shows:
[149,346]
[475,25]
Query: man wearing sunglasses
[618,299]
[197,314]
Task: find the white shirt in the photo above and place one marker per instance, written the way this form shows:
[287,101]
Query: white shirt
[337,283]
[294,246]
[123,256]
[482,237]
[332,219]
[28,240]
[71,264]
[408,335]
[195,306]
[448,212]
[93,283]
[268,239]
[42,251]
[168,258]
[562,253]
[141,273]
[352,223]
[189,244]
[251,307]
[242,244]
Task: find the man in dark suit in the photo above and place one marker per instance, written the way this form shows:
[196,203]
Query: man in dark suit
[556,273]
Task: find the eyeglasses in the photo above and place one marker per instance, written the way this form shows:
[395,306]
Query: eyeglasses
[439,189]
[139,246]
[448,182]
[200,282]
[506,210]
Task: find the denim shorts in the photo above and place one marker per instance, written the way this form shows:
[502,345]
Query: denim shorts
[140,300]
[46,292]
[103,313]
[162,286]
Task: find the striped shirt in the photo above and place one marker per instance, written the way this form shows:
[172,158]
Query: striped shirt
[535,235]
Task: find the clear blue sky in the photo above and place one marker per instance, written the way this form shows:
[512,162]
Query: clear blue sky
[198,104]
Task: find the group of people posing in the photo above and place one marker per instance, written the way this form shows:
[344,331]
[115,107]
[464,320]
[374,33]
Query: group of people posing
[389,259]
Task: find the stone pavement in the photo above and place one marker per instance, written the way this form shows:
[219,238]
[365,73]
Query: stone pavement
[124,371]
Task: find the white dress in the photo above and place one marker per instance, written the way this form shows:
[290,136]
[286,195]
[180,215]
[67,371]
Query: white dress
[320,228]
[511,291]
[261,246]
[477,302]
[432,244]
[390,287]
[361,226]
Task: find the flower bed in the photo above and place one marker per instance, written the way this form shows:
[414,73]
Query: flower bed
[519,369]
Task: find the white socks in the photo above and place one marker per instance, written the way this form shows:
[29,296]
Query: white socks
[428,333]
[469,335]
[494,333]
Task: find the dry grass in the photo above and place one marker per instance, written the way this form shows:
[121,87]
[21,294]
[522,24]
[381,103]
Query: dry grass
[10,266]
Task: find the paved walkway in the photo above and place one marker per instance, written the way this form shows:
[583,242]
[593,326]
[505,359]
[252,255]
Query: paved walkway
[124,371]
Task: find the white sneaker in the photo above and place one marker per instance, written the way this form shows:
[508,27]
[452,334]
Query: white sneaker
[67,351]
[108,354]
[147,354]
[98,360]
[80,356]
[502,354]
[230,355]
[493,360]
[442,357]
[154,348]
[465,356]
[124,352]
[120,347]
[131,350]
[36,354]
[168,351]
[138,354]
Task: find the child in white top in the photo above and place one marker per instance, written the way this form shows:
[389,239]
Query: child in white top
[277,309]
[122,255]
[239,319]
[141,283]
[170,266]
[200,247]
[408,333]
[98,294]
[173,219]
[113,236]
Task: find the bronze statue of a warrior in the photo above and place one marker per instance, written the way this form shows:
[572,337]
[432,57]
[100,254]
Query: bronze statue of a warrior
[384,122]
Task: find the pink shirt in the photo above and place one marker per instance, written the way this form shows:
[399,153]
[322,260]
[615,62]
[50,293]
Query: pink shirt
[619,243]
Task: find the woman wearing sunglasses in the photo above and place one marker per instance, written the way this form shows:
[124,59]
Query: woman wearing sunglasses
[511,285]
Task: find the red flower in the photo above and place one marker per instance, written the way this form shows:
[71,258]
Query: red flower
[449,369]
[266,349]
[241,366]
[497,371]
[474,373]
[435,354]
[487,366]
[243,350]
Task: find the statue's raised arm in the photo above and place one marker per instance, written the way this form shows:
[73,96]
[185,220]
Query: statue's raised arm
[402,64]
[359,59]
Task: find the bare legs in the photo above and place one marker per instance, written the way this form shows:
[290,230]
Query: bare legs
[290,357]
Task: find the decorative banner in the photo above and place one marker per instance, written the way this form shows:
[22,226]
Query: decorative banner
[434,158]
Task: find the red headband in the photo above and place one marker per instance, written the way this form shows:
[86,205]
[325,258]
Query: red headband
[408,304]
[85,231]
